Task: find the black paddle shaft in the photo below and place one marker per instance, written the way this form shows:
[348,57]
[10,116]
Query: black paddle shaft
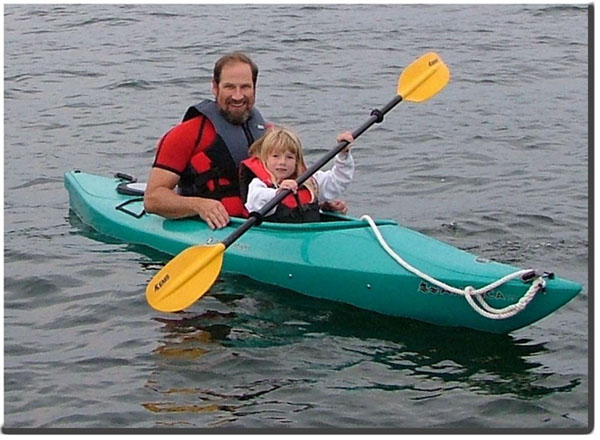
[257,217]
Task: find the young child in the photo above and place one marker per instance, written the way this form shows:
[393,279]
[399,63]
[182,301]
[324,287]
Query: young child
[275,161]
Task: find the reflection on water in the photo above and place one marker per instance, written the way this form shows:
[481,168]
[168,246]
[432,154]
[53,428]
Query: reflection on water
[322,340]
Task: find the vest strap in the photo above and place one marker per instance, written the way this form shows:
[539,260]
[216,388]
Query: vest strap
[237,138]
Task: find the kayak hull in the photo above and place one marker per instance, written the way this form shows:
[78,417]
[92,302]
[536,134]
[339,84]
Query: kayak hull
[337,260]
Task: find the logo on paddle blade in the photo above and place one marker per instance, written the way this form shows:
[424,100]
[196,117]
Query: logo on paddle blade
[162,282]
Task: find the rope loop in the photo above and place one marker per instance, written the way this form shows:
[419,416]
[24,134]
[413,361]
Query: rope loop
[469,292]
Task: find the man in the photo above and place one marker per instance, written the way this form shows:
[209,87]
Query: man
[201,155]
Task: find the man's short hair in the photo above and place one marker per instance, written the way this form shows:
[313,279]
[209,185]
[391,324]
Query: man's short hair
[234,57]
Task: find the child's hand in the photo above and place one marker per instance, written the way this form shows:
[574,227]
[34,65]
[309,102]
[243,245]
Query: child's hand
[345,136]
[289,184]
[335,206]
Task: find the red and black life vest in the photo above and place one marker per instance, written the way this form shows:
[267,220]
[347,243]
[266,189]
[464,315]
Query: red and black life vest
[295,208]
[213,171]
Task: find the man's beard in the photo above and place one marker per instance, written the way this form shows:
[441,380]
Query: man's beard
[235,119]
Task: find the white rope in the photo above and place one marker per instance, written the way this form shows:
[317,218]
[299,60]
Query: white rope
[483,308]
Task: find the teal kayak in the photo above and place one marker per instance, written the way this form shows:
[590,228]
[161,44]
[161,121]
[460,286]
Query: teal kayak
[339,259]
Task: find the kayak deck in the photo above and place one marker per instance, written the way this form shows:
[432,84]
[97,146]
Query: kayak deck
[338,260]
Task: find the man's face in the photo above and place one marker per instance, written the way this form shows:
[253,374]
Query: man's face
[235,92]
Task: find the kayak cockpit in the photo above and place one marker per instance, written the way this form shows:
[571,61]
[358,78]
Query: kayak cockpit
[330,221]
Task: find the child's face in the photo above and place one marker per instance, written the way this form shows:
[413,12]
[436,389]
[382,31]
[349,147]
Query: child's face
[281,164]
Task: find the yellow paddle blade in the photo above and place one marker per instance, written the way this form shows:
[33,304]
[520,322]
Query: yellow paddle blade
[423,78]
[185,278]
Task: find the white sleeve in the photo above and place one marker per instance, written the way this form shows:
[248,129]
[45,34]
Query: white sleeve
[333,183]
[258,195]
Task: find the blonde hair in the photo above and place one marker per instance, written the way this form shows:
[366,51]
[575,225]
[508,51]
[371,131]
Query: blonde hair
[281,139]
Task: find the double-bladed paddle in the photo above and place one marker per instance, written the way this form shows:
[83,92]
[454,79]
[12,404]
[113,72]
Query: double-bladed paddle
[188,276]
